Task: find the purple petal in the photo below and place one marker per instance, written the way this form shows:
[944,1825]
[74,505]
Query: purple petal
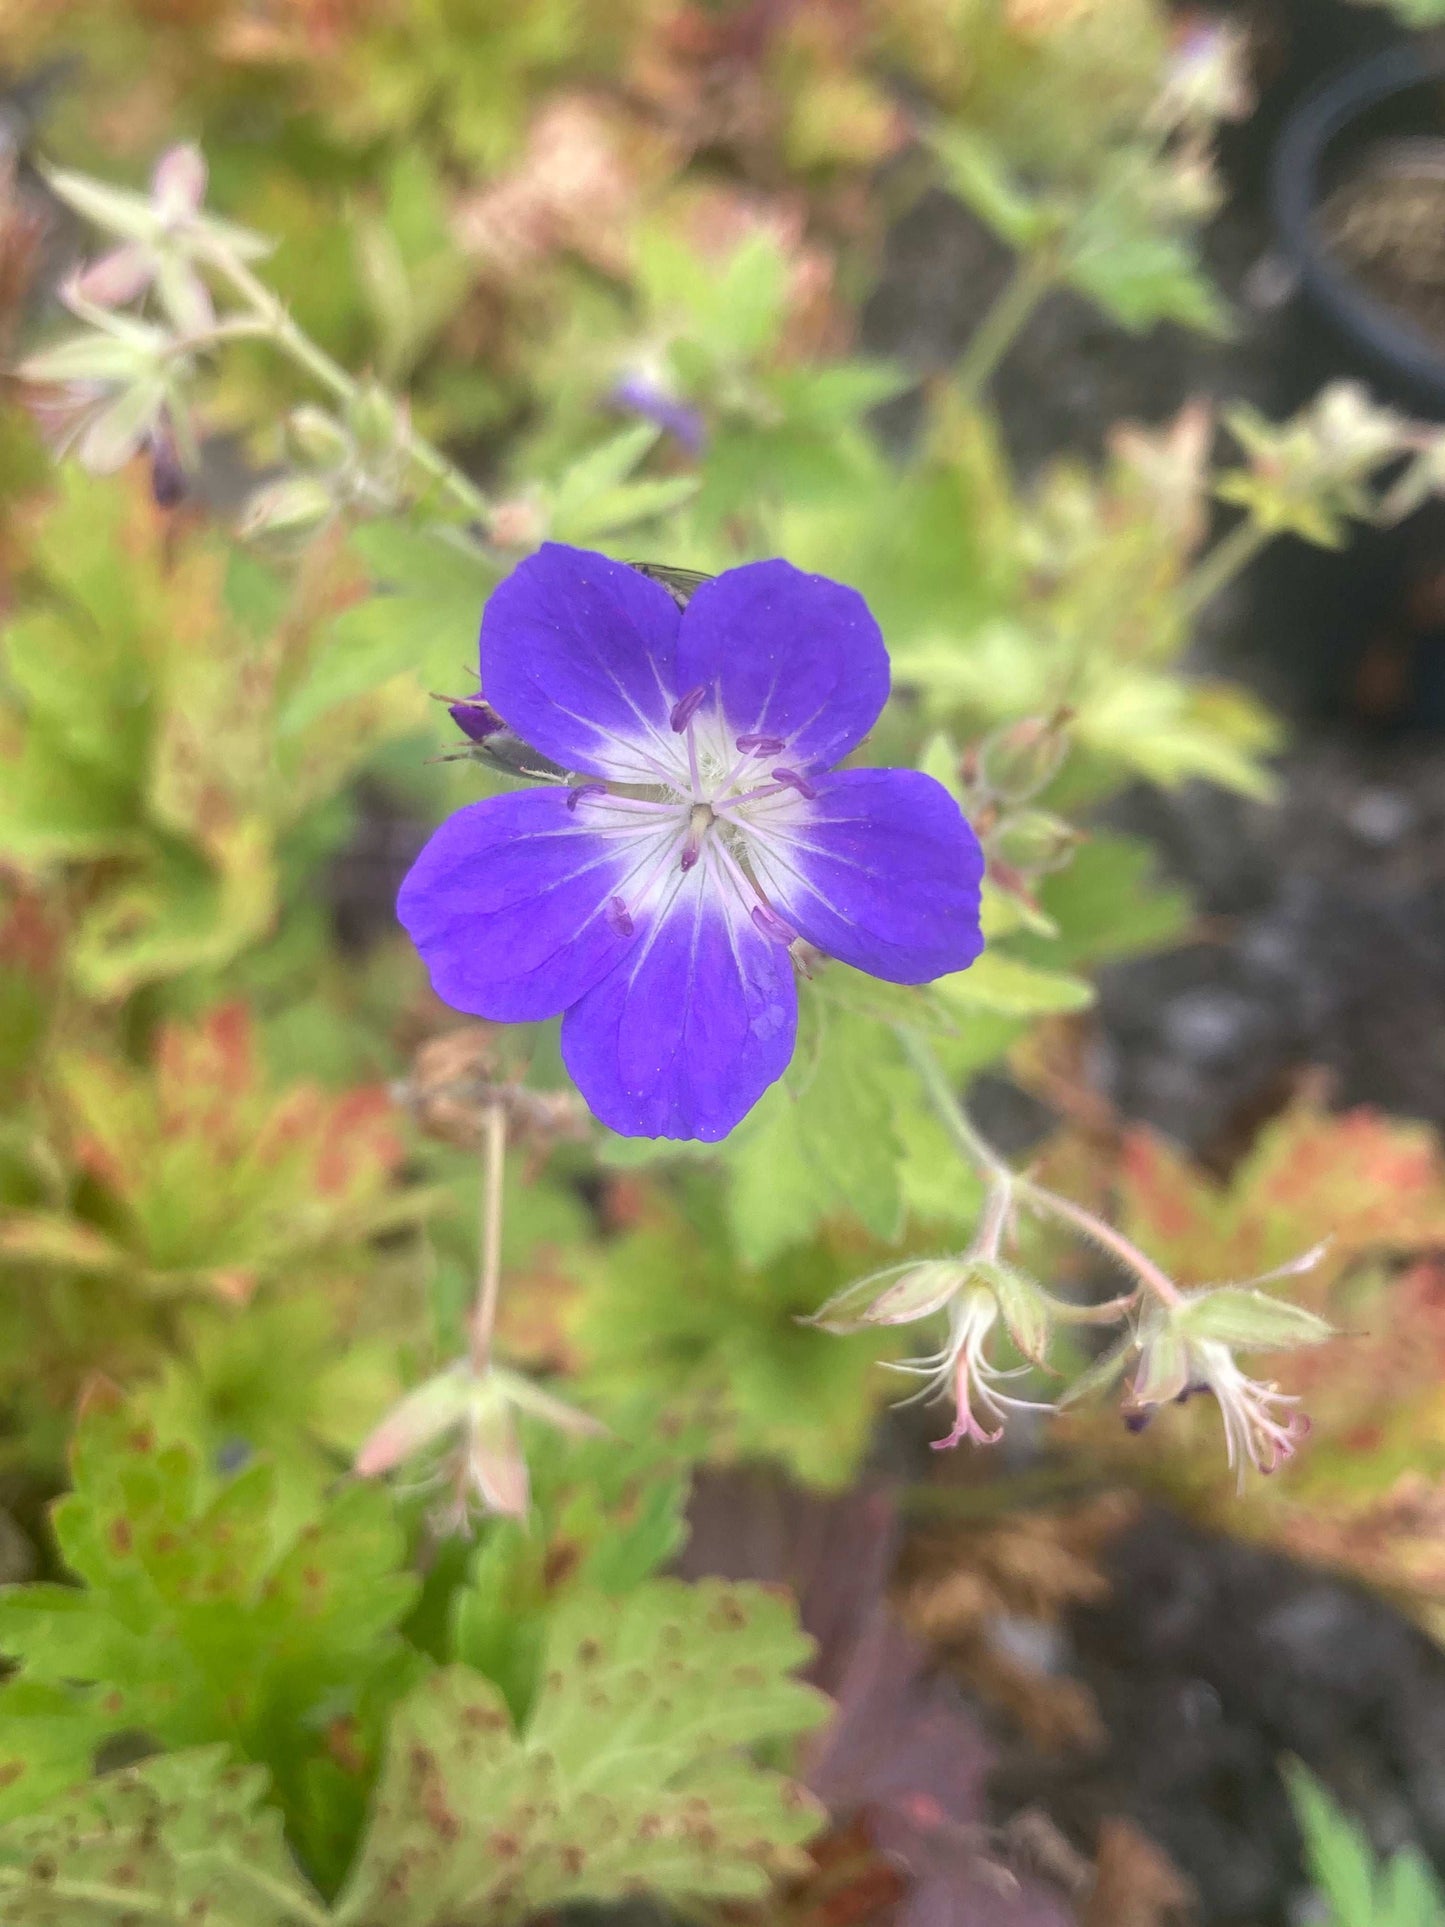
[640,396]
[794,656]
[689,1030]
[881,870]
[577,655]
[509,906]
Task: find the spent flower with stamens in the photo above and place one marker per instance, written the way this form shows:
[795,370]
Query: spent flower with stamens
[163,240]
[1189,1347]
[964,1369]
[654,904]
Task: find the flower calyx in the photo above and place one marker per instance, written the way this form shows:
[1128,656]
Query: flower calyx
[470,1416]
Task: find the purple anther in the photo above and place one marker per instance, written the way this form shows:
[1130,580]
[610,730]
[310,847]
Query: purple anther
[771,924]
[686,707]
[690,854]
[476,719]
[761,745]
[617,916]
[1136,1421]
[574,797]
[794,782]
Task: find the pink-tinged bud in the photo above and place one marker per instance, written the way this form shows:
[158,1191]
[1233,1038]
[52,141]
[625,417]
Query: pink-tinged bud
[793,781]
[686,707]
[421,1419]
[178,186]
[1019,759]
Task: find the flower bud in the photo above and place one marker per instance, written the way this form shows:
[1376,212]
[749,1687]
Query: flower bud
[1032,842]
[317,437]
[1019,759]
[288,506]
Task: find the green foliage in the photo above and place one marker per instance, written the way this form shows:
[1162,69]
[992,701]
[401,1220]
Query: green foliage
[1359,1889]
[626,1773]
[201,1618]
[183,1838]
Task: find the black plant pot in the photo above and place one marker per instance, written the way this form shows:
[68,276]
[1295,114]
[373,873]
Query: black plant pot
[1397,96]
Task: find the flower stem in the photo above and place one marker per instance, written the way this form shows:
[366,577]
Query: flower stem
[1231,554]
[489,1237]
[1051,1205]
[1005,1183]
[1030,281]
[275,323]
[955,1119]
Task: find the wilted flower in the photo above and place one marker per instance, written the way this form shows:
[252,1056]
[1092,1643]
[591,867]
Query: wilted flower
[964,1369]
[655,903]
[978,1292]
[1207,78]
[476,1413]
[118,389]
[1188,1348]
[162,238]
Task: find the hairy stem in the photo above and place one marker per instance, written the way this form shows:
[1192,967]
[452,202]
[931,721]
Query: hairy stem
[489,1237]
[274,322]
[1005,1184]
[1030,281]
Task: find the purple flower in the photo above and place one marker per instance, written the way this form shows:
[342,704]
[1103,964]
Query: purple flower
[654,903]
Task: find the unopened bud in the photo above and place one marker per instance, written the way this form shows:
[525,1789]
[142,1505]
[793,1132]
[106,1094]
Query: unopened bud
[376,420]
[1018,760]
[1032,843]
[317,438]
[294,503]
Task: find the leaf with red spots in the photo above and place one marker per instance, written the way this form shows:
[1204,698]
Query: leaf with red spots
[628,1773]
[183,1838]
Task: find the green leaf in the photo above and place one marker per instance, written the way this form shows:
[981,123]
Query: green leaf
[821,1143]
[179,1839]
[1358,1891]
[1012,988]
[197,1621]
[913,1005]
[421,620]
[627,1774]
[979,175]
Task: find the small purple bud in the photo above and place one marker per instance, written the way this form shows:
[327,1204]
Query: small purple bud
[640,396]
[617,916]
[761,745]
[168,476]
[771,924]
[574,797]
[686,707]
[476,719]
[791,778]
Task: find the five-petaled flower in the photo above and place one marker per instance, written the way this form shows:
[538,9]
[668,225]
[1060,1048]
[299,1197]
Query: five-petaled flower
[653,903]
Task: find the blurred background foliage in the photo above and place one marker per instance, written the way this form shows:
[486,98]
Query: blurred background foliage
[613,254]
